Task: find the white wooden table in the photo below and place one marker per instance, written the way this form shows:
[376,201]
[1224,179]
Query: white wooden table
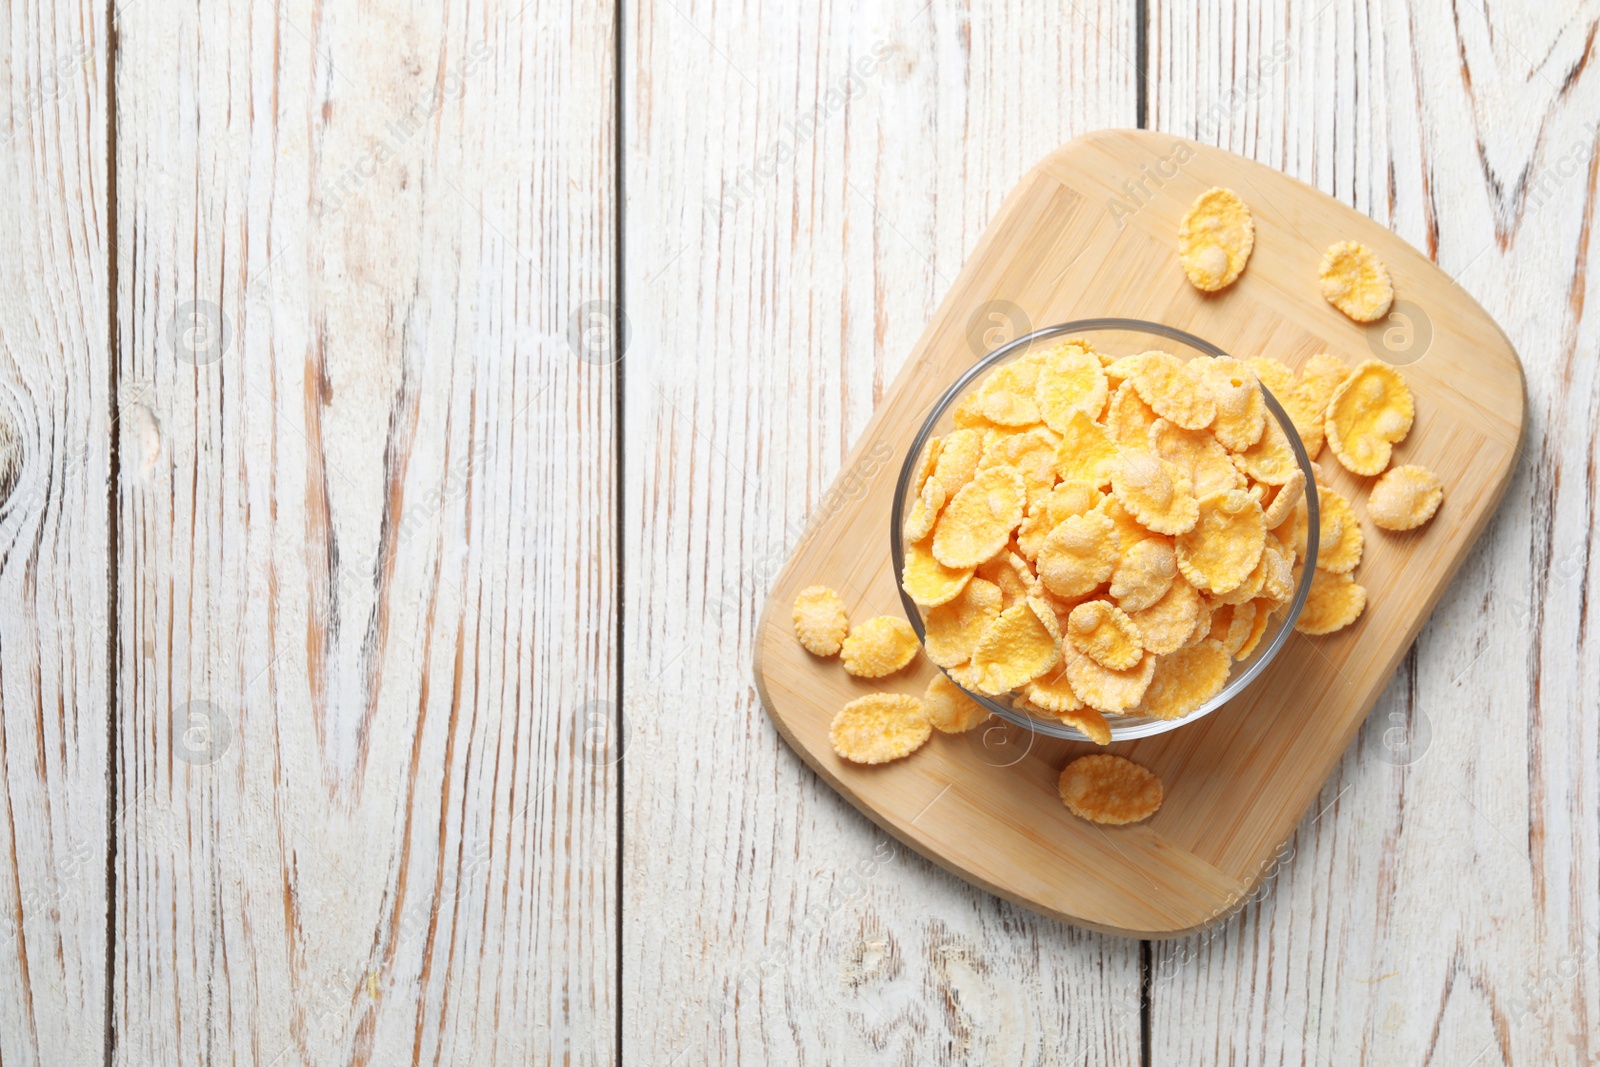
[405,406]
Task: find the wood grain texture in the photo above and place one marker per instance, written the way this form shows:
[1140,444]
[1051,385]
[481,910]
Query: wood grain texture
[1235,782]
[766,921]
[1441,903]
[55,407]
[367,587]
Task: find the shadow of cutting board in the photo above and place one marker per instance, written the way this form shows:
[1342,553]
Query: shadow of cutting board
[1090,232]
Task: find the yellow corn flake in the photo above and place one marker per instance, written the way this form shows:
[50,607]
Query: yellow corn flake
[1143,574]
[1086,452]
[924,511]
[1241,411]
[1070,380]
[1342,553]
[1277,573]
[1231,625]
[879,727]
[1106,690]
[1079,554]
[1279,380]
[1335,601]
[1202,624]
[1011,573]
[1247,589]
[1120,370]
[1215,239]
[953,629]
[1355,281]
[1174,392]
[1165,625]
[1294,531]
[978,522]
[1367,416]
[1032,454]
[1109,789]
[1128,417]
[1052,693]
[1017,647]
[1319,379]
[1129,532]
[929,582]
[1198,454]
[949,708]
[1269,460]
[1044,514]
[1258,629]
[1005,397]
[1225,544]
[1156,493]
[1404,498]
[958,460]
[1185,680]
[1088,722]
[1284,500]
[819,620]
[878,647]
[1103,632]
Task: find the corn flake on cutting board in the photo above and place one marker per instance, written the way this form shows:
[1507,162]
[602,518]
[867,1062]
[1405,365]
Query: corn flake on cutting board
[1091,232]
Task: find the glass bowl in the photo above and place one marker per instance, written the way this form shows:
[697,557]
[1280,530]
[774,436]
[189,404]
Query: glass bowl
[1119,337]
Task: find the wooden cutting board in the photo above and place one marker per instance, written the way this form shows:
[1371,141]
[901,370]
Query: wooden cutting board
[1090,232]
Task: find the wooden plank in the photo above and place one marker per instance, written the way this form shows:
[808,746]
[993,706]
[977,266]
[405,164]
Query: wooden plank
[1236,782]
[368,584]
[786,247]
[55,467]
[1440,905]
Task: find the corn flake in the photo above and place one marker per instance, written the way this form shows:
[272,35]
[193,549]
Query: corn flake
[878,647]
[949,708]
[1051,692]
[819,620]
[1319,379]
[1032,454]
[1103,632]
[978,522]
[1128,417]
[1017,647]
[1225,544]
[1143,574]
[1355,281]
[1185,680]
[1215,239]
[924,512]
[1079,554]
[1269,460]
[1284,500]
[1404,498]
[1086,452]
[929,582]
[1341,553]
[1156,493]
[1168,623]
[958,459]
[1258,629]
[1241,411]
[1070,380]
[953,629]
[1005,397]
[1044,514]
[1367,416]
[1106,690]
[879,727]
[1174,391]
[1335,601]
[1011,573]
[1109,789]
[1198,454]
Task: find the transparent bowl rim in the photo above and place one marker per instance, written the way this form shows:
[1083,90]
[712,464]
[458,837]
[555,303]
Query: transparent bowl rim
[1137,727]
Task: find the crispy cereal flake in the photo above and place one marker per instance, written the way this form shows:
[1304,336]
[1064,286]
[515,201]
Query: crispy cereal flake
[978,522]
[1335,602]
[1404,498]
[1128,417]
[929,582]
[1339,551]
[1156,493]
[1144,573]
[819,620]
[1175,392]
[1052,692]
[1367,416]
[1165,625]
[1106,690]
[1225,544]
[1103,632]
[953,629]
[879,727]
[1017,647]
[1355,281]
[1185,680]
[1198,454]
[1215,239]
[1086,452]
[949,708]
[1109,789]
[1079,554]
[1070,380]
[878,647]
